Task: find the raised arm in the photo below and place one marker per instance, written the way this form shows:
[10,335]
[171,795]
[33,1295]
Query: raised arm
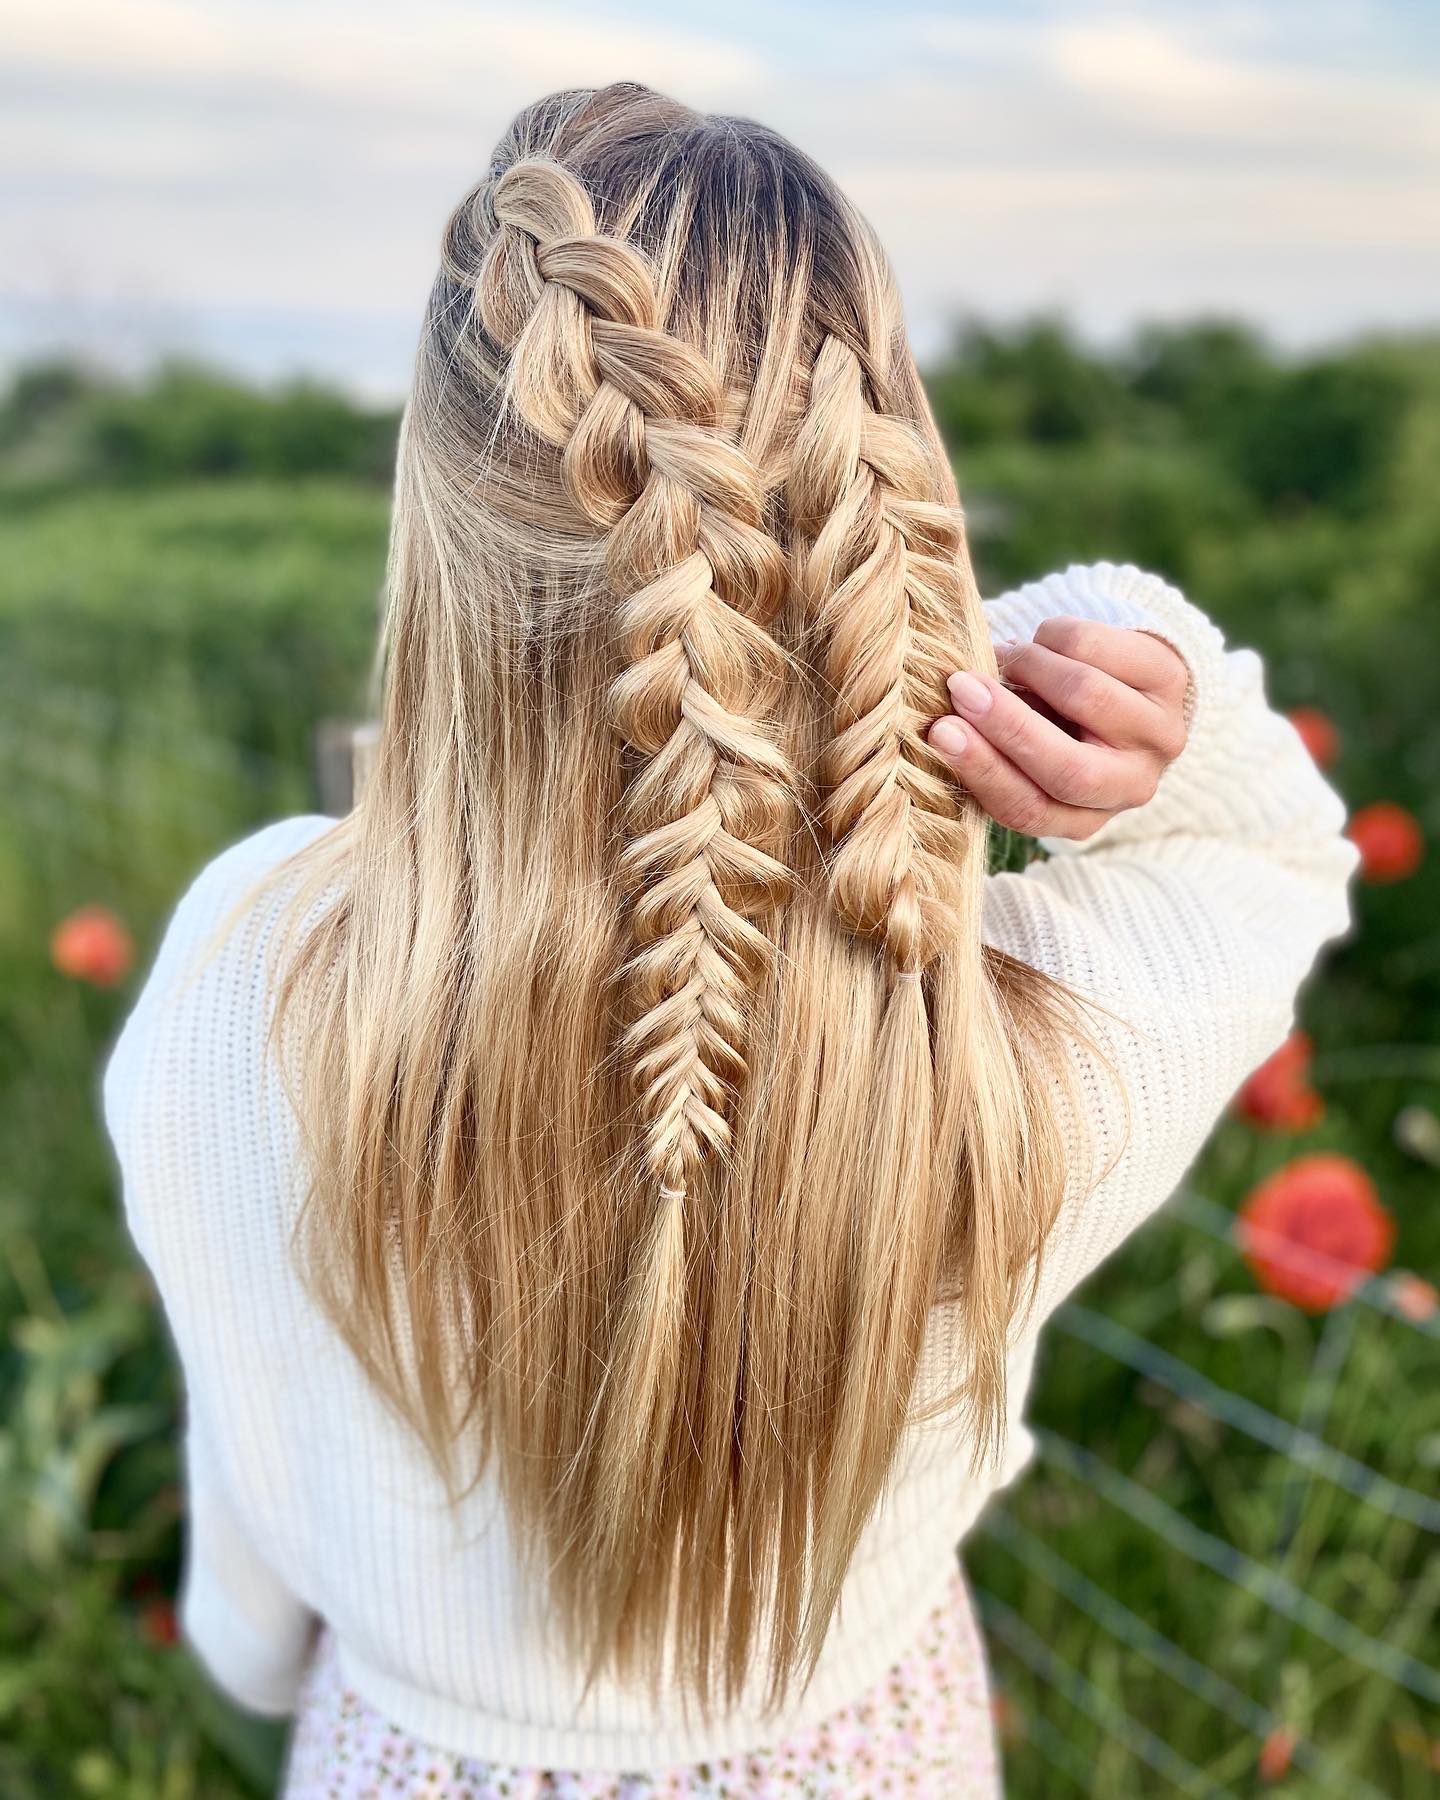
[1193,917]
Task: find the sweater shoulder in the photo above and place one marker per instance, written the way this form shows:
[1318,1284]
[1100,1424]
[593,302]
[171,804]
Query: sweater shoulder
[205,986]
[243,870]
[251,859]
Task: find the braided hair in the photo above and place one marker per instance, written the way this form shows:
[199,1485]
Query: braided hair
[708,810]
[880,575]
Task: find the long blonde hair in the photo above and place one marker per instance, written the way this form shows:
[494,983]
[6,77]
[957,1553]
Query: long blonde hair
[655,1079]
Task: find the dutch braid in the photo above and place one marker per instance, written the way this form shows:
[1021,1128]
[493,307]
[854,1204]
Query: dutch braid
[878,570]
[707,812]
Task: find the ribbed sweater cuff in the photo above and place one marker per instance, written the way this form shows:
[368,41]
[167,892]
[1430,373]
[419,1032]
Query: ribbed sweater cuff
[1134,599]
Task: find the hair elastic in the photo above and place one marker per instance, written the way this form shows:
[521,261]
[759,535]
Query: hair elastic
[911,975]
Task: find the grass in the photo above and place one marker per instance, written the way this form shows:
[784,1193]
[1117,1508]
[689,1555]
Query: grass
[172,626]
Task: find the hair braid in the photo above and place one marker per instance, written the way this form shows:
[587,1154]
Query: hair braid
[879,568]
[707,812]
[879,573]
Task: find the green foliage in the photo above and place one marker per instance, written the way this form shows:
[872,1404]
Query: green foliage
[189,583]
[1033,384]
[61,425]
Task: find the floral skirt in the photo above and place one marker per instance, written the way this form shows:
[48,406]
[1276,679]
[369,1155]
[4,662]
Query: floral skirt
[923,1731]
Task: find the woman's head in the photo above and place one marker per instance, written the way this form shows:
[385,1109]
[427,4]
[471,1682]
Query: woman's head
[664,383]
[656,1077]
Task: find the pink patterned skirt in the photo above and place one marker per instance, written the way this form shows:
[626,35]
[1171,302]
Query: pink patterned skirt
[923,1731]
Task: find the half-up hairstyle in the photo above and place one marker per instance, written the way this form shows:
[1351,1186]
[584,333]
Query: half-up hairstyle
[675,1142]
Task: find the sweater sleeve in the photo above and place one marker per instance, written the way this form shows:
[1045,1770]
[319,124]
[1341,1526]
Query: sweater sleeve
[1191,920]
[252,1633]
[248,1626]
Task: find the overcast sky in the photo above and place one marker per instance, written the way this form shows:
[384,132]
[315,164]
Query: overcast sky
[264,181]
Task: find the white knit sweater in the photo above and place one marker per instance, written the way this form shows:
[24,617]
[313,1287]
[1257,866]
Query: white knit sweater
[1194,917]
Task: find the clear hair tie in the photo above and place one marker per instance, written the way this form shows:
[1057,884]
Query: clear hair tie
[911,975]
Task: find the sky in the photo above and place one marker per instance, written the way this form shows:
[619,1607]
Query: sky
[263,183]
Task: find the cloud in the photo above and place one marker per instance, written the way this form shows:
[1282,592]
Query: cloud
[1180,88]
[422,52]
[259,166]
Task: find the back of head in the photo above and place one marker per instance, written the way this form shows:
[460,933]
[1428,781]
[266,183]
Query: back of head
[656,1079]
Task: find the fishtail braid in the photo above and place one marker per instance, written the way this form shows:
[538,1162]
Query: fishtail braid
[879,570]
[707,812]
[878,558]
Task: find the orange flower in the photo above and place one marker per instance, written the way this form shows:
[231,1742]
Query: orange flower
[1314,1230]
[92,945]
[1389,839]
[1317,733]
[1278,1096]
[1276,1752]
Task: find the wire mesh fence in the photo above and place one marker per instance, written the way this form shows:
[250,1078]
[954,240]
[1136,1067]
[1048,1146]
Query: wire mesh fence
[1251,1738]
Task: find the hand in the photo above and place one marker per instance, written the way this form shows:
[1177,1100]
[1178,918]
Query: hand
[1083,725]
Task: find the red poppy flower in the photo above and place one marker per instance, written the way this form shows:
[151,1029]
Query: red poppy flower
[1278,1096]
[1005,1715]
[1389,839]
[1314,1230]
[158,1622]
[92,945]
[1276,1752]
[1317,733]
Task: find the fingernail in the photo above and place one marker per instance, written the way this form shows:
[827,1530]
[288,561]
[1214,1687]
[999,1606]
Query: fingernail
[948,737]
[970,694]
[1005,648]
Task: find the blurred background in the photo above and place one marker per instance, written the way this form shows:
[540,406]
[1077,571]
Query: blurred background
[1174,274]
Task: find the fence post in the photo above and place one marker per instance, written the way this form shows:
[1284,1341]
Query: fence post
[342,755]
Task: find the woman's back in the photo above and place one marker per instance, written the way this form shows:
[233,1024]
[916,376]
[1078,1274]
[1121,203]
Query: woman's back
[654,1073]
[1192,919]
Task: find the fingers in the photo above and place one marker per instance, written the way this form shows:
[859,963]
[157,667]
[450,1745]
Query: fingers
[1137,658]
[1068,770]
[1106,708]
[1005,792]
[1102,713]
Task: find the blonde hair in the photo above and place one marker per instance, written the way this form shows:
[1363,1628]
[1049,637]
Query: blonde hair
[657,1084]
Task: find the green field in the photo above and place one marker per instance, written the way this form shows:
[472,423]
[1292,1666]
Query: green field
[189,574]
